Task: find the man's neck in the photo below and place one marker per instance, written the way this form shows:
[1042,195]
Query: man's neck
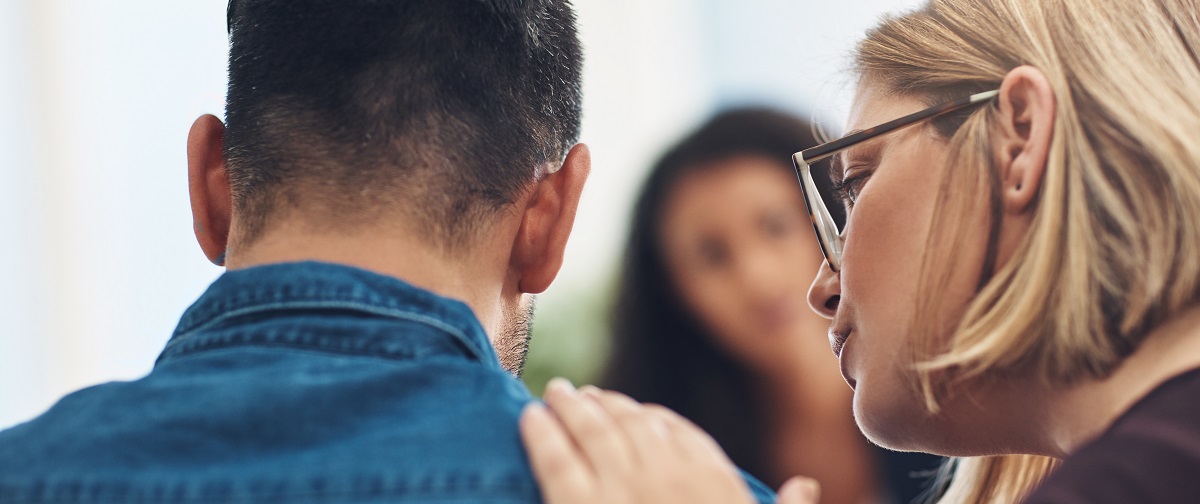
[1083,412]
[469,277]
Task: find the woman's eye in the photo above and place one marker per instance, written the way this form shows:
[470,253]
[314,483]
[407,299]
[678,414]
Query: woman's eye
[776,225]
[849,188]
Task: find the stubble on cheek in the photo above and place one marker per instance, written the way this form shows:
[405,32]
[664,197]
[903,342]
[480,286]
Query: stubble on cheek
[512,343]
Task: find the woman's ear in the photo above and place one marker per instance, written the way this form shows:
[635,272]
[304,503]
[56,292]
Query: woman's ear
[1025,131]
[208,187]
[546,223]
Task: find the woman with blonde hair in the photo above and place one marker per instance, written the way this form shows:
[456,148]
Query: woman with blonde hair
[1018,280]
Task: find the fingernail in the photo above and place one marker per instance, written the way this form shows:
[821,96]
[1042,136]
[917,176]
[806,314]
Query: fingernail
[535,408]
[804,490]
[534,414]
[810,489]
[590,390]
[560,383]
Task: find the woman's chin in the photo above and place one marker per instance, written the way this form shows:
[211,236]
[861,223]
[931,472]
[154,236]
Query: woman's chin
[907,429]
[895,421]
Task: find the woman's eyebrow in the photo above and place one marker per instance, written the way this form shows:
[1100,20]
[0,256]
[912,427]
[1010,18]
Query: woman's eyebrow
[863,152]
[866,152]
[838,161]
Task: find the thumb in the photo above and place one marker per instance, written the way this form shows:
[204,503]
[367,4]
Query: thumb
[799,490]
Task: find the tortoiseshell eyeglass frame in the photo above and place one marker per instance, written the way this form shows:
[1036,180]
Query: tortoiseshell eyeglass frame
[823,224]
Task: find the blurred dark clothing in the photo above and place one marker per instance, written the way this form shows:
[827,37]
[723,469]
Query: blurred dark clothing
[909,476]
[1151,454]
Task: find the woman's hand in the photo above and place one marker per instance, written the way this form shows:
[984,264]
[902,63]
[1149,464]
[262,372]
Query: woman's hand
[595,446]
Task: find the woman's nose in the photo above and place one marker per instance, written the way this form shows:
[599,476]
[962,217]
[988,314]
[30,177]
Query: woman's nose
[758,270]
[826,292]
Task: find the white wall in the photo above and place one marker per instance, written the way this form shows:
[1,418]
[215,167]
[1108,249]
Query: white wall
[94,217]
[96,97]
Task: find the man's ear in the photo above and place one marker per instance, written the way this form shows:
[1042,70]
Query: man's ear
[1025,133]
[546,223]
[208,186]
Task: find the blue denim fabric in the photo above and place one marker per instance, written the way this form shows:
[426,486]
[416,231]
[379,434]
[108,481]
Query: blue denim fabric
[292,383]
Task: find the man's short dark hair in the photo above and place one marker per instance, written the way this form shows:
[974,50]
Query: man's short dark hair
[444,109]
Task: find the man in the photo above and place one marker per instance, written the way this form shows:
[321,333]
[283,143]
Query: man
[396,178]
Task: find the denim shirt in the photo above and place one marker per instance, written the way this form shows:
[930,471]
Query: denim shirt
[292,383]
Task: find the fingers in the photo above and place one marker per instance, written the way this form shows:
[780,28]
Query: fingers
[690,438]
[593,446]
[648,434]
[661,438]
[799,490]
[600,440]
[556,462]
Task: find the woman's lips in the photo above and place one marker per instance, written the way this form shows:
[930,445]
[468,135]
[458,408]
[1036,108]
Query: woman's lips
[837,341]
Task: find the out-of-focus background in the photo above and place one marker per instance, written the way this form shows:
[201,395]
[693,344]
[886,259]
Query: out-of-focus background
[96,98]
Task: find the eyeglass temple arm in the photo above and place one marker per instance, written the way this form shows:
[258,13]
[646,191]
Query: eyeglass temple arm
[814,154]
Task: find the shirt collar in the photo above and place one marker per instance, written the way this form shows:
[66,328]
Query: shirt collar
[315,286]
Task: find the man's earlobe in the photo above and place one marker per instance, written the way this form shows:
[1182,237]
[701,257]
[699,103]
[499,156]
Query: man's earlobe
[547,221]
[208,187]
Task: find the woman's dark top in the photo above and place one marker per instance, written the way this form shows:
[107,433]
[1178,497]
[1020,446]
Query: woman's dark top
[1151,454]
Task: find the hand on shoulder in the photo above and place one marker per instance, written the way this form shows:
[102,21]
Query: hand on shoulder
[596,446]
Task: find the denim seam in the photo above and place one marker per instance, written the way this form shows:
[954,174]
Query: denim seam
[206,315]
[209,347]
[180,338]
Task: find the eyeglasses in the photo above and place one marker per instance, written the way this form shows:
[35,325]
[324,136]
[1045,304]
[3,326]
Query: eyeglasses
[827,231]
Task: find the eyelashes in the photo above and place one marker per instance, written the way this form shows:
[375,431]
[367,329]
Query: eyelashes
[848,188]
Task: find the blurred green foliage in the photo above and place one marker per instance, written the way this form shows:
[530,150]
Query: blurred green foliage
[570,337]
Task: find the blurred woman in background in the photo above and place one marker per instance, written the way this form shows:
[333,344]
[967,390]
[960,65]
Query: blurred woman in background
[711,318]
